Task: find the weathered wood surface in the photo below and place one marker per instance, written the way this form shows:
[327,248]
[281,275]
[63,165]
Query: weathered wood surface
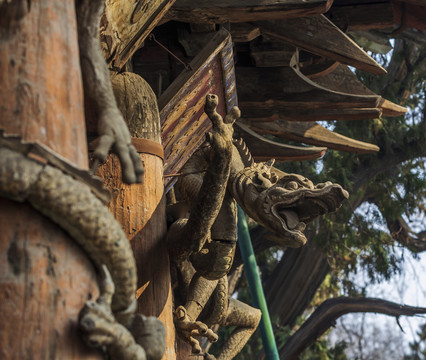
[344,80]
[314,134]
[267,94]
[263,149]
[45,277]
[244,32]
[320,36]
[183,120]
[362,17]
[410,14]
[140,208]
[40,73]
[391,109]
[222,11]
[126,24]
[267,52]
[318,68]
[45,281]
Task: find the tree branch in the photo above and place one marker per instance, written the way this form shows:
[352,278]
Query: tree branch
[412,149]
[329,311]
[403,234]
[398,227]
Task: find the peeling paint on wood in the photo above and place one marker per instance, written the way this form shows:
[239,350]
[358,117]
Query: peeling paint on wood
[184,123]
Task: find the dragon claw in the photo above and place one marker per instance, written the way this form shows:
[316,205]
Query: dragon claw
[189,328]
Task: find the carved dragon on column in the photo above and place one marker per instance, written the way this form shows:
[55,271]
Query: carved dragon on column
[69,197]
[202,241]
[126,336]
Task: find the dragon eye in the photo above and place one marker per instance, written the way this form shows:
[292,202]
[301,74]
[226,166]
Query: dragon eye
[292,185]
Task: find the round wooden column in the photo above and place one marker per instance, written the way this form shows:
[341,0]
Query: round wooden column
[140,208]
[45,278]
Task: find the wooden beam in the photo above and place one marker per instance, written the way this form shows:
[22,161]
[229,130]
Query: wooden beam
[126,24]
[263,149]
[313,133]
[143,222]
[300,114]
[244,32]
[320,36]
[344,80]
[363,16]
[268,52]
[391,109]
[318,69]
[235,11]
[183,120]
[285,93]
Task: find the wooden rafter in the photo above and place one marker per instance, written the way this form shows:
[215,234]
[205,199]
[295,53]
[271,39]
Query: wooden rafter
[344,80]
[320,36]
[222,11]
[312,133]
[285,93]
[263,149]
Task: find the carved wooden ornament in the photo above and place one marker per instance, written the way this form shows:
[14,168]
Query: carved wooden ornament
[183,121]
[126,24]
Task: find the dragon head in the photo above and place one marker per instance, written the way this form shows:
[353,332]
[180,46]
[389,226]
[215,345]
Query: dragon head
[284,204]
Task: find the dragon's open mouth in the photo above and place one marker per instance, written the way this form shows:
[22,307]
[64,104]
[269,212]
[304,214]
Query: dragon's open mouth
[305,206]
[290,219]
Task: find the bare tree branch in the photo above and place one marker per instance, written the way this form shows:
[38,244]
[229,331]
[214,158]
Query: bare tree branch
[398,227]
[402,233]
[329,311]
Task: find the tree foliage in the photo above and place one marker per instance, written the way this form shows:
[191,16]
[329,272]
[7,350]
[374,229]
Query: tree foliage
[387,194]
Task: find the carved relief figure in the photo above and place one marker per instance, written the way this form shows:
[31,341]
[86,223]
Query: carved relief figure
[66,195]
[126,336]
[202,245]
[112,129]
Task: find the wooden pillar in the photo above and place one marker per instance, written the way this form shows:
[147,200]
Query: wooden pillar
[45,278]
[140,208]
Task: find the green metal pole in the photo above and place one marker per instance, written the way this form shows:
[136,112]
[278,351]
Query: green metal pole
[256,290]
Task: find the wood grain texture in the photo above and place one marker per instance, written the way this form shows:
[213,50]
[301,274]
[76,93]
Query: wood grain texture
[184,123]
[314,134]
[263,149]
[344,80]
[268,94]
[223,11]
[140,208]
[45,277]
[321,37]
[40,72]
[126,24]
[45,281]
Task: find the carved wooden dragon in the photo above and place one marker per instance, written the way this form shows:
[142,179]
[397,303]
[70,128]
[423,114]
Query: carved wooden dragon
[203,244]
[61,192]
[66,196]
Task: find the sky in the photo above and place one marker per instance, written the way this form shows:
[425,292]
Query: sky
[381,331]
